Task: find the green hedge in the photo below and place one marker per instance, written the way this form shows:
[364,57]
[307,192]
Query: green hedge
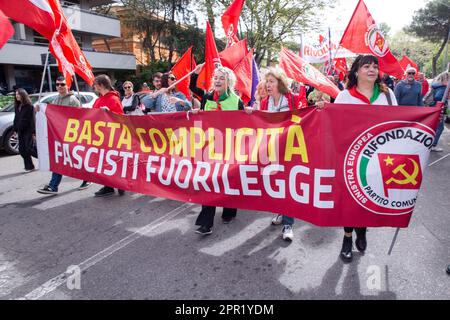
[5,100]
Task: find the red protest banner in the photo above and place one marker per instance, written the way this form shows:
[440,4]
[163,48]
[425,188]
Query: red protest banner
[321,166]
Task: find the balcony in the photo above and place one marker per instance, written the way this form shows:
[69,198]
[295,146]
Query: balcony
[88,21]
[29,53]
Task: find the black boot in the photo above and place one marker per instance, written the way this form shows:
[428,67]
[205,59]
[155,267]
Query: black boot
[346,251]
[361,242]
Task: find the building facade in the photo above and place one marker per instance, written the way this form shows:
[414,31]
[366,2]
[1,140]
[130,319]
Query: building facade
[21,62]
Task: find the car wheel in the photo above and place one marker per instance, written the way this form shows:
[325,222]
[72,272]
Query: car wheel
[11,142]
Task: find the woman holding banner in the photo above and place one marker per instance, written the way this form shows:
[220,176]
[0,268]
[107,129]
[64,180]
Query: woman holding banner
[221,97]
[167,99]
[280,98]
[364,86]
[108,100]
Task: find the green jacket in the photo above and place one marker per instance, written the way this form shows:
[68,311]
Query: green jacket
[68,100]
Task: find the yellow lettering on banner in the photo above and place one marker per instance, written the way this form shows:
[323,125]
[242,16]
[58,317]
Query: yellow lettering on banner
[85,133]
[139,132]
[273,133]
[125,138]
[158,149]
[197,145]
[99,133]
[237,150]
[178,145]
[113,126]
[213,155]
[295,135]
[71,130]
[259,137]
[228,146]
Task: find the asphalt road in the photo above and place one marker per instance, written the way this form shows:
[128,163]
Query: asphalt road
[139,247]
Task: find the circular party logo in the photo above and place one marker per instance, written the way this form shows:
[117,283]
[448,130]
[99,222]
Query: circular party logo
[384,166]
[376,42]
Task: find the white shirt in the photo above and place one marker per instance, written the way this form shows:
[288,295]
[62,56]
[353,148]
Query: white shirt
[346,97]
[283,105]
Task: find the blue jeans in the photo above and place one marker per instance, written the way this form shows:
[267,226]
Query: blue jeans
[55,181]
[287,221]
[439,131]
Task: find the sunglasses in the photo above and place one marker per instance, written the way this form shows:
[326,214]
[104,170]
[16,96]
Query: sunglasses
[172,78]
[60,84]
[413,73]
[127,87]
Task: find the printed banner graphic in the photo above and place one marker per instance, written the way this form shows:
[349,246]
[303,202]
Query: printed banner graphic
[344,165]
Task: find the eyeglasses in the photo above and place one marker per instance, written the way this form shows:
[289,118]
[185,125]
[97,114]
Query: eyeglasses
[413,73]
[172,78]
[58,84]
[128,87]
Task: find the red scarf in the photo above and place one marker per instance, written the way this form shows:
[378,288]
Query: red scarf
[358,95]
[216,99]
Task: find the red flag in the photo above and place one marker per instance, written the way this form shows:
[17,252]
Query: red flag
[243,72]
[37,15]
[70,49]
[212,59]
[47,18]
[363,36]
[406,63]
[234,54]
[298,69]
[230,20]
[400,171]
[6,29]
[183,66]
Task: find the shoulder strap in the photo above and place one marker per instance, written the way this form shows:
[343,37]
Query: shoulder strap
[388,97]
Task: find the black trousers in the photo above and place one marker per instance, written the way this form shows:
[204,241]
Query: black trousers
[350,229]
[206,216]
[25,143]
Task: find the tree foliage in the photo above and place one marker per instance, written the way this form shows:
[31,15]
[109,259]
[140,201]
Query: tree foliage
[268,23]
[432,23]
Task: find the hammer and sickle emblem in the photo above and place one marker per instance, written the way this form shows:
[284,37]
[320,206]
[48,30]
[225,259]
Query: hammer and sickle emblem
[409,178]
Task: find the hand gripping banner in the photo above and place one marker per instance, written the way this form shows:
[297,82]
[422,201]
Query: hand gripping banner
[344,165]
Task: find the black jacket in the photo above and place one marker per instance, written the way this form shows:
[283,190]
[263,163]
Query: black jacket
[205,96]
[24,119]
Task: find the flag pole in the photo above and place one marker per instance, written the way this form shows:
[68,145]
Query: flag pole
[301,45]
[393,241]
[43,75]
[76,86]
[329,51]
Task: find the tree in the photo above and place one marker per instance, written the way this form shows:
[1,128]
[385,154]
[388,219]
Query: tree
[267,23]
[432,23]
[159,22]
[420,51]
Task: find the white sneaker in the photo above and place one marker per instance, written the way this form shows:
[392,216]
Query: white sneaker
[436,149]
[277,219]
[288,233]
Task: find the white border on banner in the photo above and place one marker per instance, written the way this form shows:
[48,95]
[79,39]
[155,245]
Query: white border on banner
[42,138]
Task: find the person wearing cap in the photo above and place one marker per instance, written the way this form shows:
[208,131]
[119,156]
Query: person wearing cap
[408,92]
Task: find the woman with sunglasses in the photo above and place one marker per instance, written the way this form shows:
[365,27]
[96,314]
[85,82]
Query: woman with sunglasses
[167,99]
[131,100]
[24,126]
[221,97]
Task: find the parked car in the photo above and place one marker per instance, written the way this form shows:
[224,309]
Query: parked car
[8,138]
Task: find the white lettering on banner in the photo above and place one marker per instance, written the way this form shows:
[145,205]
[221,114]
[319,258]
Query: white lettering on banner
[306,185]
[281,193]
[321,188]
[246,181]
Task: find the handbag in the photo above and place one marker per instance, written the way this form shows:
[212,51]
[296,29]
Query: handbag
[138,111]
[33,148]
